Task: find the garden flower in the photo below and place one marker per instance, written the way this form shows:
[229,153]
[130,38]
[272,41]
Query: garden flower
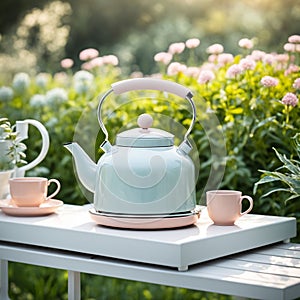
[269,81]
[110,60]
[282,58]
[56,96]
[88,65]
[67,63]
[6,93]
[61,77]
[83,76]
[294,39]
[175,67]
[215,49]
[289,47]
[233,71]
[246,43]
[192,43]
[192,72]
[82,81]
[163,57]
[38,100]
[225,58]
[296,84]
[42,79]
[258,55]
[206,76]
[247,63]
[290,99]
[176,48]
[21,82]
[88,53]
[95,62]
[268,59]
[291,69]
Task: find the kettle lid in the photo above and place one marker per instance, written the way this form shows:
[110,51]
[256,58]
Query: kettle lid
[145,136]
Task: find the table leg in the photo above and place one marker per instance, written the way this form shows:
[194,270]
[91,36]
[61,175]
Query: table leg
[4,280]
[73,285]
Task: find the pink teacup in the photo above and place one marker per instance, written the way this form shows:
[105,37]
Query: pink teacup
[225,206]
[31,191]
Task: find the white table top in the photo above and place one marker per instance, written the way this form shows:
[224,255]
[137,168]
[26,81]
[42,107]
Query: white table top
[72,228]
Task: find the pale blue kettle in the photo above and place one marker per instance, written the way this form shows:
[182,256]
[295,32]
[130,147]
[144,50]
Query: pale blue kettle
[144,172]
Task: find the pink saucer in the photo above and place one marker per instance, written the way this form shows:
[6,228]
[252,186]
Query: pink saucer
[46,208]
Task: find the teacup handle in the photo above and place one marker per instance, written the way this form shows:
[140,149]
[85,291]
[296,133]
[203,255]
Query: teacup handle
[57,189]
[250,202]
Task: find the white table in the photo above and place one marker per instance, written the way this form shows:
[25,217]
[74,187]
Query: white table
[70,240]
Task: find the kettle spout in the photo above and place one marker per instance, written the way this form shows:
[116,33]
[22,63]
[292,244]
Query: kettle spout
[85,167]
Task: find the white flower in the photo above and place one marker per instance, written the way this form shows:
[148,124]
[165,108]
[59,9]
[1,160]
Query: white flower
[21,82]
[83,76]
[6,93]
[56,96]
[38,100]
[83,81]
[42,79]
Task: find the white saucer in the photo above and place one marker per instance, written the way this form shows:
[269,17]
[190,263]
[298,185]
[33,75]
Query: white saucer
[46,208]
[145,222]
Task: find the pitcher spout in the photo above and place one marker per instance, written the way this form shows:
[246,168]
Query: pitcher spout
[85,167]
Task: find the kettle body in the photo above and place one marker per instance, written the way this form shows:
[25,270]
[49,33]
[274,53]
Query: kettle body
[158,180]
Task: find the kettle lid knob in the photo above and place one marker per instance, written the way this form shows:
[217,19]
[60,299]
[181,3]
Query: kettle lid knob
[145,121]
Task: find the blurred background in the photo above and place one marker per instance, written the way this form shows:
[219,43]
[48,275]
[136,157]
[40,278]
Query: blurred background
[36,34]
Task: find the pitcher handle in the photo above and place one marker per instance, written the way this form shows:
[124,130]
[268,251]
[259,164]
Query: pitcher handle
[149,84]
[45,145]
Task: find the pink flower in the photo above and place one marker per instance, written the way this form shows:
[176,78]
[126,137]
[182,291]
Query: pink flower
[289,47]
[269,81]
[246,43]
[294,39]
[163,57]
[110,60]
[291,69]
[215,49]
[282,58]
[225,58]
[192,43]
[247,63]
[175,67]
[233,71]
[258,54]
[290,99]
[296,84]
[268,59]
[67,63]
[192,72]
[206,76]
[95,62]
[88,53]
[176,48]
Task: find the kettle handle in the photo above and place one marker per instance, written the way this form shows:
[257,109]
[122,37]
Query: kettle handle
[148,84]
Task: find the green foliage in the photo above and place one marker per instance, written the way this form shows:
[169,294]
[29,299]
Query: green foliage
[35,283]
[239,122]
[12,150]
